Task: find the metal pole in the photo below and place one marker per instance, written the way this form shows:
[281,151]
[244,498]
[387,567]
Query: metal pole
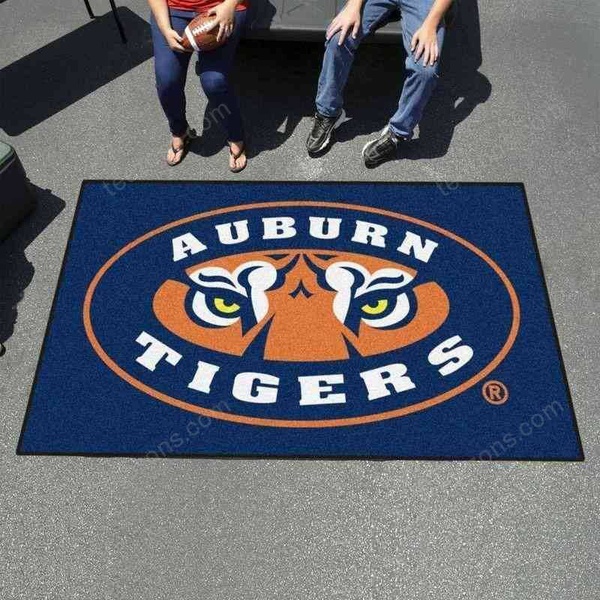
[118,21]
[89,9]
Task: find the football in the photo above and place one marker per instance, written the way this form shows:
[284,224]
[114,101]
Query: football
[201,34]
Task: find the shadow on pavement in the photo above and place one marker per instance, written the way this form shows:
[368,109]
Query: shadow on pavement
[16,272]
[43,83]
[462,87]
[277,83]
[372,93]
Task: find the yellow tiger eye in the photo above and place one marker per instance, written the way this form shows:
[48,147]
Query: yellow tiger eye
[224,307]
[376,308]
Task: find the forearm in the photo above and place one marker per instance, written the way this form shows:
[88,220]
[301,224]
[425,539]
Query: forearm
[437,12]
[354,4]
[160,10]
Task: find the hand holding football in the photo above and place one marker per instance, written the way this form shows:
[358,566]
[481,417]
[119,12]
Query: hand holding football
[201,34]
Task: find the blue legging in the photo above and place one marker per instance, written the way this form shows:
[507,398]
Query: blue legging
[214,67]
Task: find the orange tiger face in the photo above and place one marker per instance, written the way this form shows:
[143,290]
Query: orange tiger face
[301,305]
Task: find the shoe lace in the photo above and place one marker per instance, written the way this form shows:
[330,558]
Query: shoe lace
[321,124]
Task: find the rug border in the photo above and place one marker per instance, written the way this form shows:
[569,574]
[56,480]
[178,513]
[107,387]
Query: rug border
[86,182]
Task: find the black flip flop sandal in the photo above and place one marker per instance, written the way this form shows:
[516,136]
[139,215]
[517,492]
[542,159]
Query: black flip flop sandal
[236,156]
[190,134]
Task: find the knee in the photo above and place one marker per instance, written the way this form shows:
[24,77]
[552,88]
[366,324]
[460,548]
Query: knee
[425,74]
[214,83]
[333,43]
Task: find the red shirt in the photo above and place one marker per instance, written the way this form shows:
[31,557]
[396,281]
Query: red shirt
[201,6]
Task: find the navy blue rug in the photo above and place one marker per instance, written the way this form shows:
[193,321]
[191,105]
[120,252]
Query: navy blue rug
[332,320]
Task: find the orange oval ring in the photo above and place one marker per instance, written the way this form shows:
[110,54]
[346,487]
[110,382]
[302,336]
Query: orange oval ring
[399,412]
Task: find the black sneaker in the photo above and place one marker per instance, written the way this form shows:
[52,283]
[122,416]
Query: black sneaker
[384,148]
[320,135]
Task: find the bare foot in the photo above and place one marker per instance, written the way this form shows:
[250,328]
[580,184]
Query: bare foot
[237,156]
[175,153]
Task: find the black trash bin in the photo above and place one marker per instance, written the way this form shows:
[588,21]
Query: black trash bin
[16,197]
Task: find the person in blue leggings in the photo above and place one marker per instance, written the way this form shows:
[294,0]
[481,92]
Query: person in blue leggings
[423,31]
[168,21]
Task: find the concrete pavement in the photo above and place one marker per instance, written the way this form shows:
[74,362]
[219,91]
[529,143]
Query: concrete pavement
[524,107]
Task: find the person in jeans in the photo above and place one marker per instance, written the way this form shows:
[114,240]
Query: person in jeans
[422,35]
[168,21]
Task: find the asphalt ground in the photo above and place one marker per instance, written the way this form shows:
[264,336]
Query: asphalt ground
[518,101]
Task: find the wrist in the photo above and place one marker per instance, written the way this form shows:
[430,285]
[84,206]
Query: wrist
[354,5]
[164,26]
[433,20]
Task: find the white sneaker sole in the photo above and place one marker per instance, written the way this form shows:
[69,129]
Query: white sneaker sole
[382,133]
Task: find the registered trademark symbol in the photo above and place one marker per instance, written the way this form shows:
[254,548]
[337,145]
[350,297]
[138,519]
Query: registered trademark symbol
[495,392]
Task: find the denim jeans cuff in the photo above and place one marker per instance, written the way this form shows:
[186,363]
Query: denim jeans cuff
[236,137]
[328,112]
[180,131]
[398,133]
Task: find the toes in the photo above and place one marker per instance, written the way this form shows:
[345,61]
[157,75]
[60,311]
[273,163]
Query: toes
[174,155]
[237,163]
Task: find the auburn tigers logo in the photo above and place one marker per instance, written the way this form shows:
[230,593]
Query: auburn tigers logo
[301,314]
[312,306]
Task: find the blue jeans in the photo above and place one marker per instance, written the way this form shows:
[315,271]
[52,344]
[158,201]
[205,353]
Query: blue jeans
[214,68]
[420,80]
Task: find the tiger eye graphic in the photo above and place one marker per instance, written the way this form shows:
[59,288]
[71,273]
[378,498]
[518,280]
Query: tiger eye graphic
[301,305]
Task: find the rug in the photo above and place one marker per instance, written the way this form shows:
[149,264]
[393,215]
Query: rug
[313,320]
